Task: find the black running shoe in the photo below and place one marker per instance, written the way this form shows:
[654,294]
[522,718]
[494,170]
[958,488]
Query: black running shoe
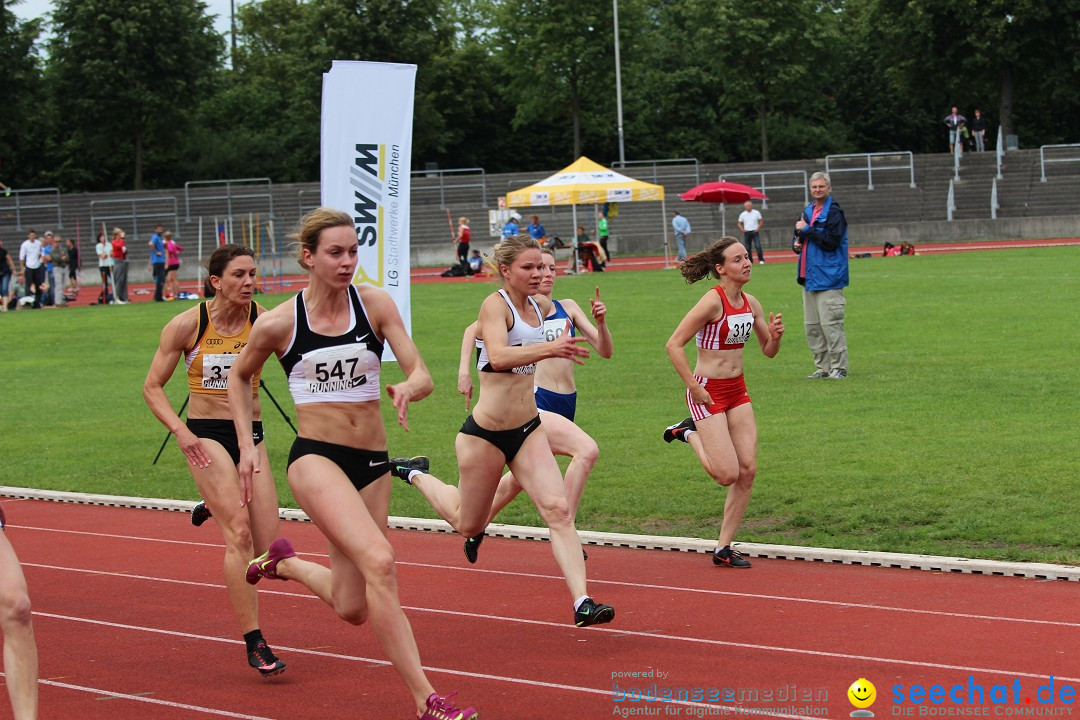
[401,467]
[727,557]
[678,430]
[200,513]
[262,659]
[591,613]
[472,547]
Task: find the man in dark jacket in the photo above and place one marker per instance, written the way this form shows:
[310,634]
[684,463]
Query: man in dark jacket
[821,242]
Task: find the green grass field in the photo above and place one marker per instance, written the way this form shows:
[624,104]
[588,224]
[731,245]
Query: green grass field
[955,433]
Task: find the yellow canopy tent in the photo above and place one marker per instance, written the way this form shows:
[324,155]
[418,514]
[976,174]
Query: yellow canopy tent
[587,182]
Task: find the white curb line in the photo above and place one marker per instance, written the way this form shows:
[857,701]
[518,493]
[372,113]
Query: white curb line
[1043,571]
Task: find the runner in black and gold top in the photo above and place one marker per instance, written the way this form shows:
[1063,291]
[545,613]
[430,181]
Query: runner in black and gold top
[208,337]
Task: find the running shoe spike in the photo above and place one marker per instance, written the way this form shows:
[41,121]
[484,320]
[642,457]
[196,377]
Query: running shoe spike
[472,547]
[439,707]
[200,513]
[726,557]
[591,613]
[401,467]
[262,659]
[678,430]
[265,566]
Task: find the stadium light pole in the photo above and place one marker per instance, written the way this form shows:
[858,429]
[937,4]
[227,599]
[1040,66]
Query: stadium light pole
[618,88]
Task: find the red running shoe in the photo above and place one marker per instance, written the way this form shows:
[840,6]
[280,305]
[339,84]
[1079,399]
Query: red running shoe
[265,566]
[439,707]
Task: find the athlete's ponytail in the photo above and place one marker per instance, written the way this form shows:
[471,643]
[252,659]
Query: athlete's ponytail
[698,266]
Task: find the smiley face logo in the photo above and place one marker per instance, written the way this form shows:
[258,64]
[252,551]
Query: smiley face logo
[862,693]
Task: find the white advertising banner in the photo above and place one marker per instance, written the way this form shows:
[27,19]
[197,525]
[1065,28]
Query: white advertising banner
[367,118]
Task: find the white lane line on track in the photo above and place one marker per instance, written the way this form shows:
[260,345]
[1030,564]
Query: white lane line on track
[562,626]
[714,708]
[621,583]
[143,699]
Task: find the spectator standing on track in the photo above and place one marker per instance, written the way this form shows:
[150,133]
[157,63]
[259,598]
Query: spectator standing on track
[7,272]
[602,234]
[556,396]
[329,340]
[74,266]
[721,427]
[682,232]
[157,262]
[536,230]
[505,428]
[510,229]
[821,241]
[103,249]
[49,296]
[750,222]
[172,265]
[461,241]
[33,271]
[208,337]
[978,129]
[20,649]
[953,121]
[119,266]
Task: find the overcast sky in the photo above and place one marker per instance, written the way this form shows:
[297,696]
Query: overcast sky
[28,9]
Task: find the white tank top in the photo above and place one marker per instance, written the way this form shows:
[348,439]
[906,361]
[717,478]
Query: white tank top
[519,335]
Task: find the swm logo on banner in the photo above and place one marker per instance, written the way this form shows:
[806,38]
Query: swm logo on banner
[367,116]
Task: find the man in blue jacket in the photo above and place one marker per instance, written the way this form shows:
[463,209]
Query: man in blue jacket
[821,242]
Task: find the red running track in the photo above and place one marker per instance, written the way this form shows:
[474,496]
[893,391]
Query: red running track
[132,622]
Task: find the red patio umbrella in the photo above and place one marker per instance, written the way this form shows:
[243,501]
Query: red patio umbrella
[722,192]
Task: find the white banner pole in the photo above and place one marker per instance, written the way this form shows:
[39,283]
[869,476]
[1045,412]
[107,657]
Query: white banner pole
[367,117]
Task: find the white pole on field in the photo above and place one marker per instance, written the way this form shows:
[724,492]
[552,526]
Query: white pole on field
[198,278]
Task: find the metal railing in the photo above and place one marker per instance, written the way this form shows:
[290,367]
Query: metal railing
[443,186]
[958,150]
[656,165]
[999,151]
[229,196]
[305,208]
[870,168]
[13,200]
[1043,162]
[161,214]
[950,204]
[765,186]
[994,201]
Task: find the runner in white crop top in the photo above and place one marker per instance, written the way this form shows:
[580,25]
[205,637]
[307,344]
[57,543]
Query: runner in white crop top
[520,334]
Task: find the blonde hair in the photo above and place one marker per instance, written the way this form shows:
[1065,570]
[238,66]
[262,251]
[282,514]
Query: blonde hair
[507,250]
[167,235]
[463,220]
[310,227]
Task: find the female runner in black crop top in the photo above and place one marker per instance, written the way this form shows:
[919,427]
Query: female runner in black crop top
[339,471]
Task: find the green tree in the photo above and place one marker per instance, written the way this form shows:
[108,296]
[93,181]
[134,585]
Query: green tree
[22,96]
[559,56]
[769,53]
[953,52]
[124,73]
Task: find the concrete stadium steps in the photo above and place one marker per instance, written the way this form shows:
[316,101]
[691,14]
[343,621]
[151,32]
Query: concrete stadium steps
[891,211]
